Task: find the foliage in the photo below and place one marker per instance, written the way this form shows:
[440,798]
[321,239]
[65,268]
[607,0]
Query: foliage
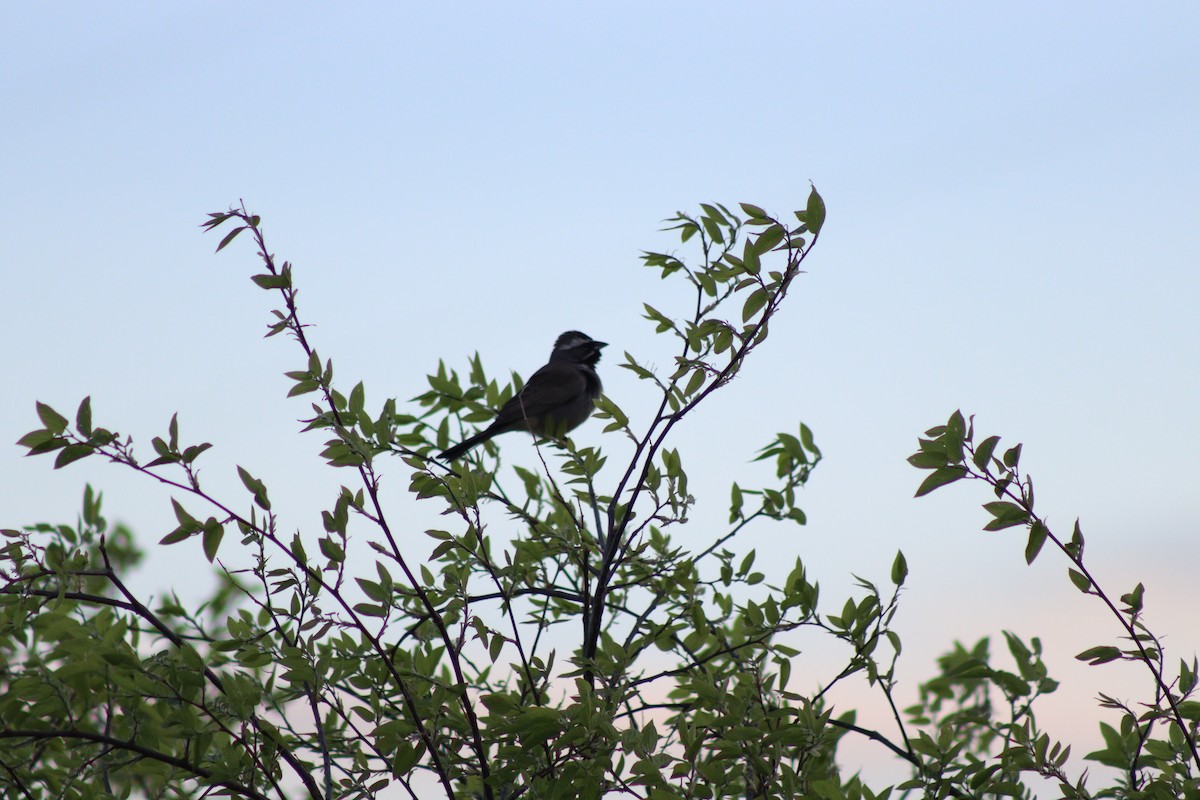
[551,638]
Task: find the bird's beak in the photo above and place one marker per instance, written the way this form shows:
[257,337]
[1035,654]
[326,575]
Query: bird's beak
[600,344]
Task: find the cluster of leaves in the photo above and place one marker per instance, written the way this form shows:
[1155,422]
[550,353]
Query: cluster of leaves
[1155,749]
[550,639]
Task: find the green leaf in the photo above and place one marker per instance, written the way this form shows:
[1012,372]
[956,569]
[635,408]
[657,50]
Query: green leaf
[1099,655]
[1134,599]
[372,590]
[83,417]
[256,488]
[757,299]
[940,477]
[1074,547]
[183,517]
[123,659]
[55,423]
[753,211]
[1006,515]
[1080,580]
[899,569]
[714,232]
[806,438]
[928,459]
[983,453]
[735,503]
[37,439]
[229,237]
[1012,456]
[714,214]
[193,452]
[405,758]
[268,281]
[750,261]
[1187,676]
[177,535]
[1037,538]
[769,239]
[302,387]
[814,215]
[72,452]
[371,610]
[537,724]
[213,533]
[215,220]
[332,550]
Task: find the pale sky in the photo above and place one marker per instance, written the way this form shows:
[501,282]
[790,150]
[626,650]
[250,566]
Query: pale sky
[1012,195]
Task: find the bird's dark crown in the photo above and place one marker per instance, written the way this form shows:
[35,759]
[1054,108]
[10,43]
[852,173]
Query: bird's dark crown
[571,339]
[577,346]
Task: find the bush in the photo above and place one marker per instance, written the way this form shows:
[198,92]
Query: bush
[554,639]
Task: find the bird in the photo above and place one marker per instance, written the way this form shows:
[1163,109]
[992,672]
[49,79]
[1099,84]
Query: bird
[556,399]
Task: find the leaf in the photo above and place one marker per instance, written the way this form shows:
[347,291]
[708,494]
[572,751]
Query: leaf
[940,477]
[215,220]
[303,387]
[72,452]
[899,569]
[769,239]
[536,724]
[713,213]
[332,550]
[1012,456]
[83,417]
[229,237]
[1133,600]
[806,438]
[1006,515]
[256,488]
[185,519]
[750,261]
[814,215]
[177,535]
[268,281]
[753,211]
[928,460]
[213,532]
[714,232]
[1074,547]
[405,758]
[754,303]
[193,452]
[1080,580]
[36,439]
[1037,538]
[1187,676]
[55,423]
[1099,655]
[983,453]
[957,425]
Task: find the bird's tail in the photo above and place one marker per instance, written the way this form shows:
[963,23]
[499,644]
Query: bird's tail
[453,453]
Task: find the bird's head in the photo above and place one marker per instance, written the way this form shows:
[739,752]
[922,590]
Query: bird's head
[578,348]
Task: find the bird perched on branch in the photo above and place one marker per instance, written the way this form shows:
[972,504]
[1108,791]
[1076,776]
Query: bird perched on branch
[556,399]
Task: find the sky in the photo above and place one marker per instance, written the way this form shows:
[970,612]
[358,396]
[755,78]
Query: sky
[1012,201]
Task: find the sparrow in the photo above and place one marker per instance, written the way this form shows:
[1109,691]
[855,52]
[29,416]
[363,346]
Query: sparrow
[556,399]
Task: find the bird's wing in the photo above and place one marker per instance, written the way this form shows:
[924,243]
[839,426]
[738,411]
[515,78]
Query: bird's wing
[551,387]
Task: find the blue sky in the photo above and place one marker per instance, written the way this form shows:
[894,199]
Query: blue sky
[1012,194]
